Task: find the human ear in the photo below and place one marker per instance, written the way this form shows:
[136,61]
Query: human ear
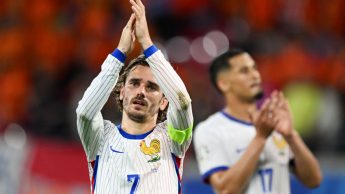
[121,93]
[164,103]
[223,85]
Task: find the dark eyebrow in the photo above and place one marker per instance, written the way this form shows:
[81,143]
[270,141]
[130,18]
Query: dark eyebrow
[153,84]
[134,80]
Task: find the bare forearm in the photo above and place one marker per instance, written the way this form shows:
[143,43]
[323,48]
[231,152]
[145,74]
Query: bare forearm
[236,177]
[307,168]
[145,42]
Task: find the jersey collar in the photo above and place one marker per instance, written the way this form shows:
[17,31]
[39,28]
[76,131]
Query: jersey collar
[131,136]
[235,119]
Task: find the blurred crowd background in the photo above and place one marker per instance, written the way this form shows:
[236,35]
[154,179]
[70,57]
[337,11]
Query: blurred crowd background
[50,50]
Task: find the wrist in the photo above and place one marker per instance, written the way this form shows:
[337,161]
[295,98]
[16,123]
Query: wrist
[259,141]
[122,49]
[260,137]
[150,51]
[146,43]
[120,55]
[290,137]
[263,133]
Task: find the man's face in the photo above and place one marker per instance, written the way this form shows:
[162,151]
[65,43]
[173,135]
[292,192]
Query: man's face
[141,95]
[243,79]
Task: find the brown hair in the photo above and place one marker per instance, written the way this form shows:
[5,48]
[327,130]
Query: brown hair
[140,60]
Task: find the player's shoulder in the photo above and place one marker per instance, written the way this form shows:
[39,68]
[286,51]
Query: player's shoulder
[207,126]
[209,121]
[161,128]
[162,125]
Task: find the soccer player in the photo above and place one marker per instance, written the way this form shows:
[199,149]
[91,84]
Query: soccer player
[242,149]
[143,154]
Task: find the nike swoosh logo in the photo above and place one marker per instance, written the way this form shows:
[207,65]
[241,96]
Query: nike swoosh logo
[116,151]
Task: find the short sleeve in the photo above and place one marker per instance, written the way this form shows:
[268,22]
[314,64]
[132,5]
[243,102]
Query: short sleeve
[210,154]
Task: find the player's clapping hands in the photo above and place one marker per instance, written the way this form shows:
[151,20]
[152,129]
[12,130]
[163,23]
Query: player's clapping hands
[136,28]
[263,119]
[274,114]
[141,28]
[283,116]
[126,43]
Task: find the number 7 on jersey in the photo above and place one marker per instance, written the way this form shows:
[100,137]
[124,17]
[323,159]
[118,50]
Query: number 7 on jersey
[135,179]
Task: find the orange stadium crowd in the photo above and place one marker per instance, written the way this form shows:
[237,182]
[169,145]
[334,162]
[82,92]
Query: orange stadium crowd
[50,50]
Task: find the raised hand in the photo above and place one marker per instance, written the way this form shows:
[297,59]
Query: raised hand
[283,117]
[126,43]
[141,28]
[263,119]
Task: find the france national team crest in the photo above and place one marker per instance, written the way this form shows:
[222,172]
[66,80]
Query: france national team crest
[153,150]
[280,143]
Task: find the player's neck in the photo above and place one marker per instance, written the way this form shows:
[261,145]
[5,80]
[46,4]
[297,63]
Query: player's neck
[135,128]
[239,109]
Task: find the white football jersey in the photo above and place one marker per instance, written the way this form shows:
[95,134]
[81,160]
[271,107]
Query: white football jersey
[122,163]
[220,141]
[136,163]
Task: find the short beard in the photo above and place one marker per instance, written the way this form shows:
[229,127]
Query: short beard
[259,95]
[255,98]
[139,118]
